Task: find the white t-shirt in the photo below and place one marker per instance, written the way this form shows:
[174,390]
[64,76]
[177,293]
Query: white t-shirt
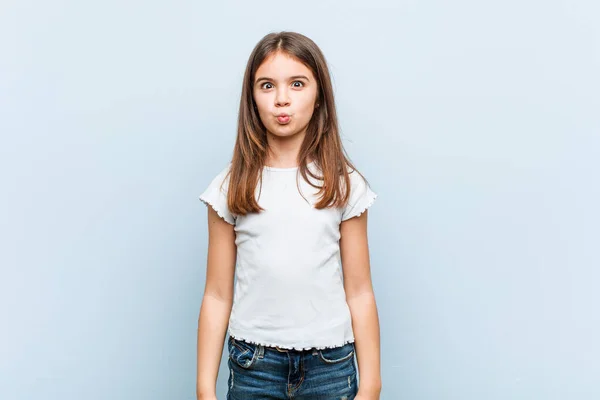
[289,284]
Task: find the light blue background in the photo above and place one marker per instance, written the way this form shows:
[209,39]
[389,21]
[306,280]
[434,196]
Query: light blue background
[477,123]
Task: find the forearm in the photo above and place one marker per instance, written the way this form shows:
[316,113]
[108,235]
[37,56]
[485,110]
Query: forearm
[212,327]
[365,324]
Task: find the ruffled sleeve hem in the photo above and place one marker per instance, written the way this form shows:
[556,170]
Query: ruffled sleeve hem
[215,196]
[365,201]
[220,212]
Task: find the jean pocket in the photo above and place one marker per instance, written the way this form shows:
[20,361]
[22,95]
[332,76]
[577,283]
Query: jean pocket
[242,353]
[337,354]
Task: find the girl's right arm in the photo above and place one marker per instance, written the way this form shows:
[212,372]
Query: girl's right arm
[216,303]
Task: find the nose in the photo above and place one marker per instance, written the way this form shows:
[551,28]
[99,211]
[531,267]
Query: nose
[281,98]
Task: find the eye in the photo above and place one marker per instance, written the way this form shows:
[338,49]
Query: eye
[297,86]
[264,85]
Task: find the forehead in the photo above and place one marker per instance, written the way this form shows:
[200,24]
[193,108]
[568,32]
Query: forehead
[281,65]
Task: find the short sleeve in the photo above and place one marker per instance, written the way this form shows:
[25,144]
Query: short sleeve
[215,196]
[361,197]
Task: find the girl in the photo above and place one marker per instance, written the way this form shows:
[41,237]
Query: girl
[288,218]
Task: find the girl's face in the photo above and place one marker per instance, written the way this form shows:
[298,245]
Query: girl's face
[285,92]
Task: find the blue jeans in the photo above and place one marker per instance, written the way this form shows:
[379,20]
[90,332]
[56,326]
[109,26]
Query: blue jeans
[269,373]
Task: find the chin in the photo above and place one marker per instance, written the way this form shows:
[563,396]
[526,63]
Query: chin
[283,131]
[282,136]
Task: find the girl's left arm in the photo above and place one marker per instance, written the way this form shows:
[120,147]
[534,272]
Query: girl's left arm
[354,250]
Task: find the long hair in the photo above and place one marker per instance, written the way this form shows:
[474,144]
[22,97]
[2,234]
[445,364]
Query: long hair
[322,143]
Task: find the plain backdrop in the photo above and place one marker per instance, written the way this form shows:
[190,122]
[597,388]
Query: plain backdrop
[477,123]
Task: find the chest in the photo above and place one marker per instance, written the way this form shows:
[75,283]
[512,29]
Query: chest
[289,210]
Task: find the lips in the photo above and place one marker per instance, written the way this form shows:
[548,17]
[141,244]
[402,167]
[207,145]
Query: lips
[283,118]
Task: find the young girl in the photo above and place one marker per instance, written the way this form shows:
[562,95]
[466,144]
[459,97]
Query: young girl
[288,218]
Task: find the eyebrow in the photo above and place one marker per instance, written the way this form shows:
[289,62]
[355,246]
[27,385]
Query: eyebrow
[263,78]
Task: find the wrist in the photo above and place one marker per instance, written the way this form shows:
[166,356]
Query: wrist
[370,387]
[206,394]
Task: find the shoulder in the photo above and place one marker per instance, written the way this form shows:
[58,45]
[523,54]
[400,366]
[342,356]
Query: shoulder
[358,182]
[355,176]
[223,173]
[221,179]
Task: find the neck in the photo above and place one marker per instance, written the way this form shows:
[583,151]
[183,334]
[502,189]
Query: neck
[283,152]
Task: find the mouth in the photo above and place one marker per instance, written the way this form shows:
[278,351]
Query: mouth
[283,118]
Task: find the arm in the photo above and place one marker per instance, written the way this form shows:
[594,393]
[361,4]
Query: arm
[361,301]
[216,303]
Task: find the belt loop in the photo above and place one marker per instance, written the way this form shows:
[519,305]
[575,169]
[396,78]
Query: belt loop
[261,351]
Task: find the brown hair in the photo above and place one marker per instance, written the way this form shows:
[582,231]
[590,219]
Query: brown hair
[322,143]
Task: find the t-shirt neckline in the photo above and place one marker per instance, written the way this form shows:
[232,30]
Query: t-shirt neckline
[268,168]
